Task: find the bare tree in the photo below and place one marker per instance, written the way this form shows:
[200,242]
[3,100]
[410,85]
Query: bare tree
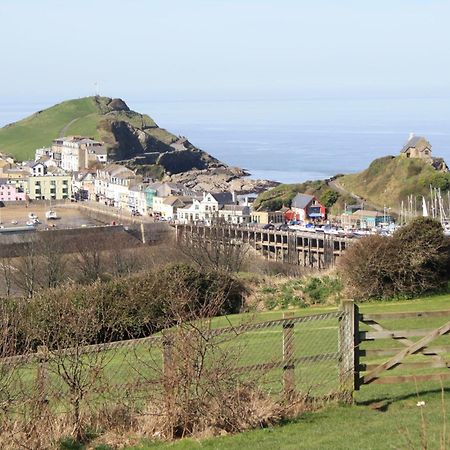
[209,248]
[7,271]
[89,259]
[26,269]
[66,327]
[53,261]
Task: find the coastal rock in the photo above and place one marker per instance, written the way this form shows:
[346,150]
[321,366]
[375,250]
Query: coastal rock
[117,104]
[221,179]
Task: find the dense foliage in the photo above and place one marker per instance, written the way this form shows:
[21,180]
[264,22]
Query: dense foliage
[283,194]
[125,308]
[415,260]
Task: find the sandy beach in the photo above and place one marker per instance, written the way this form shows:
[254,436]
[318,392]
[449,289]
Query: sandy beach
[18,215]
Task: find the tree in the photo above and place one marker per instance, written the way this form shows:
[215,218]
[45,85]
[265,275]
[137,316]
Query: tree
[329,198]
[413,261]
[210,249]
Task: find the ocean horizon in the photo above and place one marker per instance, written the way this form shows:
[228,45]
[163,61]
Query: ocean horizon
[292,140]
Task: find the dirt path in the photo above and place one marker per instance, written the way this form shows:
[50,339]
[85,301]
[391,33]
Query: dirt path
[66,127]
[334,184]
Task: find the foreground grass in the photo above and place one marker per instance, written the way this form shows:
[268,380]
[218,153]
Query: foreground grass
[398,425]
[383,416]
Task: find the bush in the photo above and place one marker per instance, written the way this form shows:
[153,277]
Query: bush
[329,198]
[415,260]
[321,290]
[125,308]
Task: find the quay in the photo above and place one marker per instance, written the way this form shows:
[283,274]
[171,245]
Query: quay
[320,251]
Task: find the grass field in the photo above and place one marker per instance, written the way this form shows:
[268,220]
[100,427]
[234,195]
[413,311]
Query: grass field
[89,116]
[384,416]
[22,138]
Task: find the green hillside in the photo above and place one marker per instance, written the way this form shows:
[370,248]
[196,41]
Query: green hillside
[389,180]
[282,195]
[103,118]
[20,139]
[386,182]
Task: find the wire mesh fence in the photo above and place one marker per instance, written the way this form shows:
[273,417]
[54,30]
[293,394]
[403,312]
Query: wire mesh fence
[282,358]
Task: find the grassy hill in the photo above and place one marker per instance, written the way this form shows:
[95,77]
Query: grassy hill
[20,139]
[389,180]
[386,182]
[283,194]
[127,133]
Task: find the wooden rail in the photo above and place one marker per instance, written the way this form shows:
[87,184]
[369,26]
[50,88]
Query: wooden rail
[320,251]
[371,372]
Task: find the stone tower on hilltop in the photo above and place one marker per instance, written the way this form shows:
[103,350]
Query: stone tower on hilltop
[418,147]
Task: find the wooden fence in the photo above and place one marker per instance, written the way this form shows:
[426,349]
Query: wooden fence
[418,352]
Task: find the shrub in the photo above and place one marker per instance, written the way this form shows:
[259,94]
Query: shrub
[413,261]
[329,198]
[126,308]
[321,290]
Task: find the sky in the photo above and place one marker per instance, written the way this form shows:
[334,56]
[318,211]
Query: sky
[188,49]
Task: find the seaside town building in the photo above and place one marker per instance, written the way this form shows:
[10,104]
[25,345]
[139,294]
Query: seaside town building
[112,184]
[307,207]
[11,193]
[50,187]
[79,152]
[214,206]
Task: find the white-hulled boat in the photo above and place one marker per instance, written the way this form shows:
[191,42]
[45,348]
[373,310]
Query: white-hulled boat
[51,215]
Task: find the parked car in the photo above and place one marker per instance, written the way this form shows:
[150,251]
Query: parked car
[283,227]
[269,226]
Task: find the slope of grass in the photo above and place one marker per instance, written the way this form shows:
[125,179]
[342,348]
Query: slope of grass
[389,180]
[342,428]
[283,194]
[85,126]
[384,416]
[20,139]
[90,116]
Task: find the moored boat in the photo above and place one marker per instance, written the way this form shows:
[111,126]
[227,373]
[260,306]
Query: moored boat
[51,215]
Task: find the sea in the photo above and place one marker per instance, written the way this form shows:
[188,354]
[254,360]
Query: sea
[292,140]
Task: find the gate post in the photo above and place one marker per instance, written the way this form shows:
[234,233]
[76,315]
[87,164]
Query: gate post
[349,349]
[169,383]
[288,358]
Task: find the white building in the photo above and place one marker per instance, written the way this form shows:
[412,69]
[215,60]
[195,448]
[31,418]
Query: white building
[112,185]
[77,152]
[219,207]
[137,198]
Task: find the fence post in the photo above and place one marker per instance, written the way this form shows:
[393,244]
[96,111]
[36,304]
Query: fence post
[169,383]
[42,374]
[348,349]
[288,357]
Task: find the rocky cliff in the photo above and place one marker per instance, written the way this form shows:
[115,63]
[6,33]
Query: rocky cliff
[132,138]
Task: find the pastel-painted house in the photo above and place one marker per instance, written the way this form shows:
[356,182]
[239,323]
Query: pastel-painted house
[11,193]
[366,219]
[137,200]
[307,207]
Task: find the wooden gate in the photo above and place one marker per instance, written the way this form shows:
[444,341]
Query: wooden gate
[380,346]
